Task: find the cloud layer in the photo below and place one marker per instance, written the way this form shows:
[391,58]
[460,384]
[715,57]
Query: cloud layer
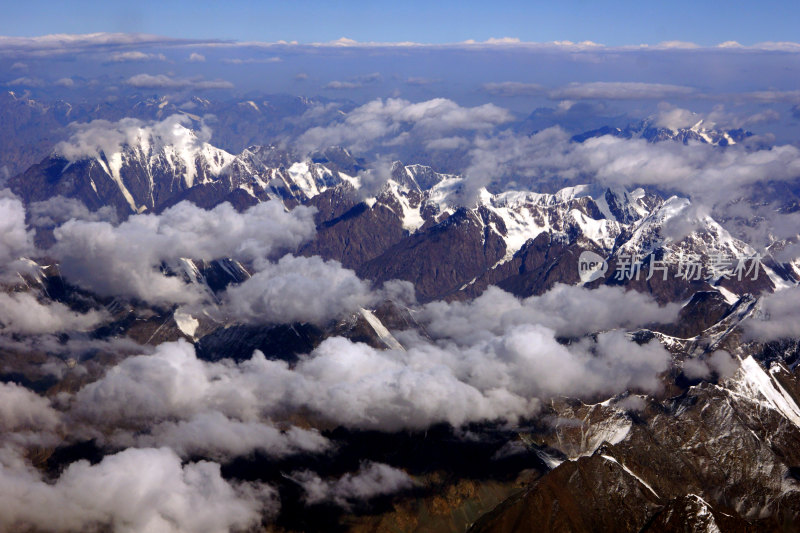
[126,260]
[134,490]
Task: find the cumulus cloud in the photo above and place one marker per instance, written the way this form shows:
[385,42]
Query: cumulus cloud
[170,383]
[212,434]
[163,81]
[134,490]
[371,480]
[171,398]
[298,289]
[673,117]
[102,137]
[697,169]
[632,402]
[23,313]
[720,363]
[16,241]
[568,310]
[22,409]
[194,57]
[58,209]
[126,260]
[76,347]
[501,377]
[779,316]
[384,122]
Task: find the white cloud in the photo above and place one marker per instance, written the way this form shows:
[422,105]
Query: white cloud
[25,81]
[447,143]
[771,96]
[383,122]
[252,60]
[568,310]
[371,480]
[729,44]
[58,209]
[71,43]
[500,377]
[22,409]
[212,434]
[15,239]
[778,46]
[62,43]
[679,45]
[779,316]
[672,117]
[615,90]
[125,260]
[297,289]
[162,81]
[134,490]
[194,57]
[342,85]
[701,171]
[135,55]
[23,313]
[91,139]
[720,362]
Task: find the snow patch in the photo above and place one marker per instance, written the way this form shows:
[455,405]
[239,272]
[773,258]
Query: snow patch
[755,383]
[628,470]
[383,333]
[186,323]
[730,297]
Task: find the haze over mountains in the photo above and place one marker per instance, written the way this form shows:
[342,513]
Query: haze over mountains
[246,311]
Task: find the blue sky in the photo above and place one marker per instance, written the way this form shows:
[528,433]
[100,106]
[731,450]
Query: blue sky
[610,23]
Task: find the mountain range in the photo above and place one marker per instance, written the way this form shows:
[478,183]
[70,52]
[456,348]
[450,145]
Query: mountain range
[716,450]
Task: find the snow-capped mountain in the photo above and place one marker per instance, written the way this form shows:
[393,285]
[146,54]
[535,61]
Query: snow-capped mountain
[651,132]
[153,171]
[502,238]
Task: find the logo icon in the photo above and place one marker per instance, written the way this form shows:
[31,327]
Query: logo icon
[591,266]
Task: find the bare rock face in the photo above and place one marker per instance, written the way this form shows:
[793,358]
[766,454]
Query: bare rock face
[355,236]
[591,494]
[440,260]
[539,265]
[718,456]
[692,514]
[704,309]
